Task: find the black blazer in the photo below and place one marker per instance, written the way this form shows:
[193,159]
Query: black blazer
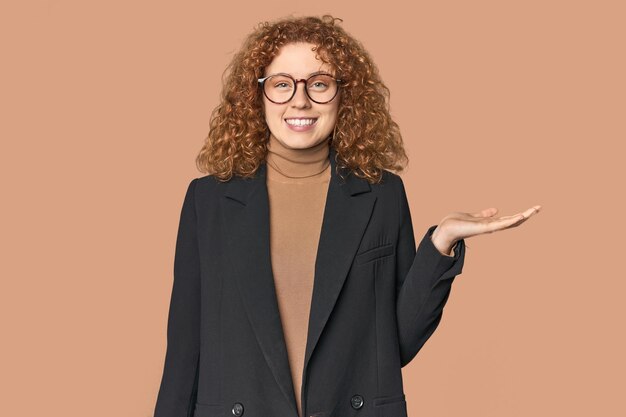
[375,302]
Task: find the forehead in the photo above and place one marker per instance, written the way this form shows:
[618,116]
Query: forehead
[297,59]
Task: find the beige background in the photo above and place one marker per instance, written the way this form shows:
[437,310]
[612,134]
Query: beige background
[507,104]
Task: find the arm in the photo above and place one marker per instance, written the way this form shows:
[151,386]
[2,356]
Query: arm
[178,390]
[424,280]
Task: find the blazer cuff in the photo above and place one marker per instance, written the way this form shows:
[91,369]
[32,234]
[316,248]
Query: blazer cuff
[435,264]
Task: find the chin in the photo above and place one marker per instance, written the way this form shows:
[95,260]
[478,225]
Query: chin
[300,142]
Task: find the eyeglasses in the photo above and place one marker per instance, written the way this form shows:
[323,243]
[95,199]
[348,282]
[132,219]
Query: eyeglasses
[280,88]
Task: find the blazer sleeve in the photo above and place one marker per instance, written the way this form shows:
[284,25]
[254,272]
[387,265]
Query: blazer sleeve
[178,389]
[423,283]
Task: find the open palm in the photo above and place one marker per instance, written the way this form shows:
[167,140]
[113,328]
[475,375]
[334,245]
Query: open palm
[458,225]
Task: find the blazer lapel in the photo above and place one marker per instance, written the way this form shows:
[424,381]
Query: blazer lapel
[245,205]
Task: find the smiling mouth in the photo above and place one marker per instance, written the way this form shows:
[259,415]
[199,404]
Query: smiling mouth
[304,121]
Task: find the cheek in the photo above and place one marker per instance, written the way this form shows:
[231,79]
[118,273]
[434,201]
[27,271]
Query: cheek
[334,114]
[330,113]
[272,115]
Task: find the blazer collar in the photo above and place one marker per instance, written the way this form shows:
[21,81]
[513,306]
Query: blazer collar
[239,188]
[245,205]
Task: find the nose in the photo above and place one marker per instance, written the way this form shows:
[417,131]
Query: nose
[300,100]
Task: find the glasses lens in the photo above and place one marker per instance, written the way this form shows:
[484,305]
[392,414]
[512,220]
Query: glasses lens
[322,88]
[279,88]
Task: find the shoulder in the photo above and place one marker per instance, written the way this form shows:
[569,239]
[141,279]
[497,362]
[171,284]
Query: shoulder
[396,184]
[203,189]
[390,183]
[389,192]
[387,188]
[206,184]
[390,177]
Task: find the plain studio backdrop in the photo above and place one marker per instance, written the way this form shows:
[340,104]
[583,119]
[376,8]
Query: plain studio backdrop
[105,104]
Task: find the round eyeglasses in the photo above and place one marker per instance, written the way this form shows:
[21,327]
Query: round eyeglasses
[280,88]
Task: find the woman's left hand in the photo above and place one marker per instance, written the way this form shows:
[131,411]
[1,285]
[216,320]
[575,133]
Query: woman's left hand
[456,226]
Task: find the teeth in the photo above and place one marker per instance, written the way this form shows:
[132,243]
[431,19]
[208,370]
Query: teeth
[300,122]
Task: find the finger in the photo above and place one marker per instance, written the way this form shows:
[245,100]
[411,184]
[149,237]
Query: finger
[505,223]
[533,210]
[509,222]
[526,214]
[488,212]
[529,212]
[520,220]
[513,216]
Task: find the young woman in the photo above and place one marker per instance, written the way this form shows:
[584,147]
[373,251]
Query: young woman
[298,290]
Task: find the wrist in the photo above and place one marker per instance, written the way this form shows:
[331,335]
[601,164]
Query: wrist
[443,243]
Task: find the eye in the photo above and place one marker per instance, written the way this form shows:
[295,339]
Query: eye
[321,82]
[318,86]
[281,85]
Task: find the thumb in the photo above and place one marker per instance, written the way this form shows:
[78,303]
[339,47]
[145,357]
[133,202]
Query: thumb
[488,212]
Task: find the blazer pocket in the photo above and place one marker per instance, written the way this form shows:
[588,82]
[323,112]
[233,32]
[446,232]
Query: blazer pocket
[209,410]
[375,253]
[390,406]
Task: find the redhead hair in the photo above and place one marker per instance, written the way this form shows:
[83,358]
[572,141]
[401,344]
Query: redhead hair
[366,139]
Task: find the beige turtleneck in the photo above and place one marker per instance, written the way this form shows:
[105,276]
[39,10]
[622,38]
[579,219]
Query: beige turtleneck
[296,213]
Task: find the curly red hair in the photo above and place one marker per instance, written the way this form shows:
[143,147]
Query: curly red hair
[366,138]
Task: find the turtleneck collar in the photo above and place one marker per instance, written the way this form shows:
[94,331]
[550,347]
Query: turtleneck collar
[311,163]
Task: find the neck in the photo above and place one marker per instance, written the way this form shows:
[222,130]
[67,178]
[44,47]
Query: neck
[308,164]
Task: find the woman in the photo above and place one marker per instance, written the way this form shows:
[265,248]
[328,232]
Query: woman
[298,290]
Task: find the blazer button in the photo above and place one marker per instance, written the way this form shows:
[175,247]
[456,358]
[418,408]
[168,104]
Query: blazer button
[356,401]
[237,409]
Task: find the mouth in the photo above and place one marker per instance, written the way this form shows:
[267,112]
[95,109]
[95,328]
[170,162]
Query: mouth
[300,124]
[300,121]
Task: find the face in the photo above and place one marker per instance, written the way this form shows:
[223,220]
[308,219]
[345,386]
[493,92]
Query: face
[298,60]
